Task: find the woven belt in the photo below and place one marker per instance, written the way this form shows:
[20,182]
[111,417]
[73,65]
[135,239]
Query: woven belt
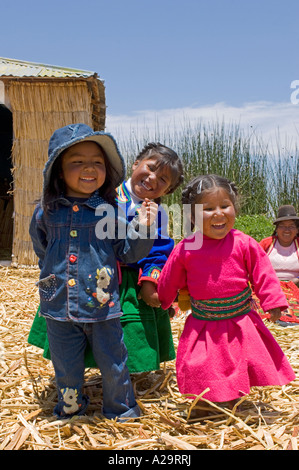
[220,309]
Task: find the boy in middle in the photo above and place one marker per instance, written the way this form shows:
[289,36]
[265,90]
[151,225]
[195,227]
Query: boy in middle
[156,172]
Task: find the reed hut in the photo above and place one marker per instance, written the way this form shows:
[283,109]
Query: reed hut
[36,99]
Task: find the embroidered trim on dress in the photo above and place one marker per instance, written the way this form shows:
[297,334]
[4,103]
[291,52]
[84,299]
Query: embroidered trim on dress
[222,308]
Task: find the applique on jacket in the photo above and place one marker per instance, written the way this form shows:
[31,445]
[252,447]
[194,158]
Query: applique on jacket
[104,276]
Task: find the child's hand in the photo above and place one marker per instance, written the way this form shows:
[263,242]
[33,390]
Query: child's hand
[147,212]
[148,293]
[275,314]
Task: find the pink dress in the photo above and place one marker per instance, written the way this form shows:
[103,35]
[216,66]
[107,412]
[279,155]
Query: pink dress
[230,355]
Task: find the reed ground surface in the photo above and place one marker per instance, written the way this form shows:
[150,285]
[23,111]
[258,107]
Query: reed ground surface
[267,419]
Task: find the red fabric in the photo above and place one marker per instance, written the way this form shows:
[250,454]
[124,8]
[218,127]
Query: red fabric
[266,242]
[290,290]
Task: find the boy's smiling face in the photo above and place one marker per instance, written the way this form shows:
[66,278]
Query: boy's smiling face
[83,169]
[150,179]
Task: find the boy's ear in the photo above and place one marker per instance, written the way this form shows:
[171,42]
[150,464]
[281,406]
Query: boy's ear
[135,164]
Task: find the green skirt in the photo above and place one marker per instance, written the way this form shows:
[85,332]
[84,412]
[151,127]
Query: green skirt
[147,330]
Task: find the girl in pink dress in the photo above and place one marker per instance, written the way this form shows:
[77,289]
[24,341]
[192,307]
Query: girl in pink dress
[225,346]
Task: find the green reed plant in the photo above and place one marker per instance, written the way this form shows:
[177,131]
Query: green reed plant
[265,179]
[284,172]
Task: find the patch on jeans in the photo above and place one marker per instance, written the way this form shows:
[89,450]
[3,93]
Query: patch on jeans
[70,396]
[47,287]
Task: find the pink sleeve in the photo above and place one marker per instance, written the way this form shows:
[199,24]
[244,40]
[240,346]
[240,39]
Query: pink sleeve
[172,277]
[264,279]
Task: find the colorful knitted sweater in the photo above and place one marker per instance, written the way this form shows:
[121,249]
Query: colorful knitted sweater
[149,267]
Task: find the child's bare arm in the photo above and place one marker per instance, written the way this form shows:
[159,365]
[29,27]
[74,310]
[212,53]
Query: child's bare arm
[275,314]
[148,293]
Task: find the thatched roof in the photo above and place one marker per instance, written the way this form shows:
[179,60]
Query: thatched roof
[42,98]
[12,69]
[21,68]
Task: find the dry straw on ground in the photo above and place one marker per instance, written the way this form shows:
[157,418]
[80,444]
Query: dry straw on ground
[267,419]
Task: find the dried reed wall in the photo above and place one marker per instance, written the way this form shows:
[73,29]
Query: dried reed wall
[38,109]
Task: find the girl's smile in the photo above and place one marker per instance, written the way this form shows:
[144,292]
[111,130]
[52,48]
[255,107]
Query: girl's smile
[218,213]
[83,169]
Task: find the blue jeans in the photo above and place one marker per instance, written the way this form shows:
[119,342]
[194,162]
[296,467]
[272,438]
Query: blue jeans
[67,341]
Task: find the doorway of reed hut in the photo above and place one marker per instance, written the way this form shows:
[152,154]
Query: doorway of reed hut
[6,184]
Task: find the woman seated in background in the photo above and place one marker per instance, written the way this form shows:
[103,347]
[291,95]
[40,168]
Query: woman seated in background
[283,251]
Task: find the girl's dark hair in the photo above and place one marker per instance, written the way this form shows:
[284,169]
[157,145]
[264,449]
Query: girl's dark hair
[201,185]
[166,157]
[56,186]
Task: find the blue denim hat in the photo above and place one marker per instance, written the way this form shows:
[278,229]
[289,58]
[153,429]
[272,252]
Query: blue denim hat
[72,134]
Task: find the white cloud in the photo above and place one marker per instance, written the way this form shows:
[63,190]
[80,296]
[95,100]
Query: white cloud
[275,124]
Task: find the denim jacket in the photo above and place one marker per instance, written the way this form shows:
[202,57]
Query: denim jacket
[78,278]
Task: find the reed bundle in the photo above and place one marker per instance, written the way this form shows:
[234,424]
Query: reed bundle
[6,213]
[267,419]
[39,108]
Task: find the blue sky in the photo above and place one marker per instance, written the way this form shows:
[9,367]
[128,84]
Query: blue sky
[170,60]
